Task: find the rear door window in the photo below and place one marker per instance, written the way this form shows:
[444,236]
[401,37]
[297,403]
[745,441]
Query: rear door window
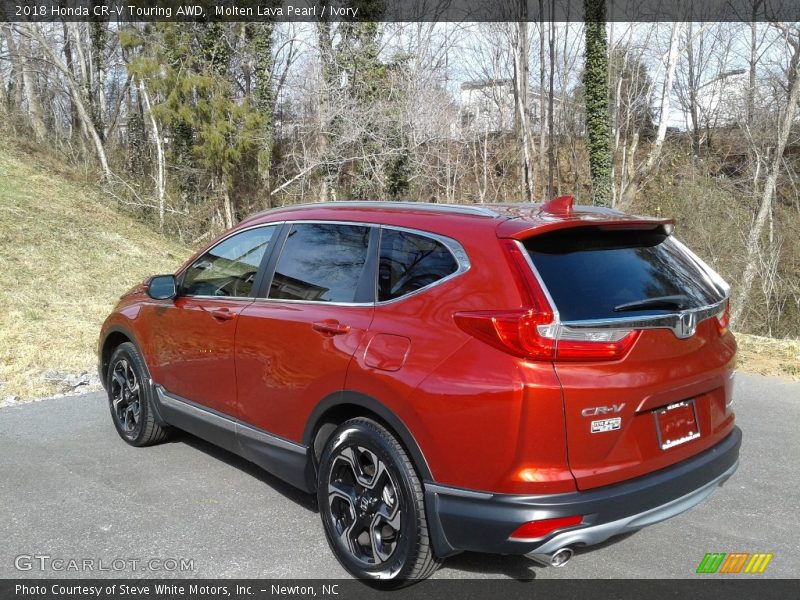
[594,273]
[321,262]
[410,262]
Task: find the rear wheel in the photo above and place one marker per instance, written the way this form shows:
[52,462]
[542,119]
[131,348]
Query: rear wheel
[372,506]
[129,398]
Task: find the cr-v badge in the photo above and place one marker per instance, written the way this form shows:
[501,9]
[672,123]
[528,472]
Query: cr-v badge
[602,410]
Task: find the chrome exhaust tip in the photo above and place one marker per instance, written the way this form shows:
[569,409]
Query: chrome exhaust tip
[559,558]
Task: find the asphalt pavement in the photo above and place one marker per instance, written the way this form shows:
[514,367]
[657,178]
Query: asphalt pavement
[71,491]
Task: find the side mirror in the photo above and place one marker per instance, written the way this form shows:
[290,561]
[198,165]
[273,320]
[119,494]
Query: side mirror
[162,287]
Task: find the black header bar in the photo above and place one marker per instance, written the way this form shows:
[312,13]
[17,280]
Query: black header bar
[394,10]
[349,589]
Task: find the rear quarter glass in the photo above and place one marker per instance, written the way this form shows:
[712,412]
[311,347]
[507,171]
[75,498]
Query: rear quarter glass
[589,271]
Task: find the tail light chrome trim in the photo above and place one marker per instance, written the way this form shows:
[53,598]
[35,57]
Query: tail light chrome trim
[683,324]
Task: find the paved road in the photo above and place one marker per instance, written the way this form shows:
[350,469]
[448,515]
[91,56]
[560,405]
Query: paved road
[71,489]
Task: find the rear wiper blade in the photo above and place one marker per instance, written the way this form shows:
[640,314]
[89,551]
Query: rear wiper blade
[678,301]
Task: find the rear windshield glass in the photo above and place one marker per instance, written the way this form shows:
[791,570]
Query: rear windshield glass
[594,273]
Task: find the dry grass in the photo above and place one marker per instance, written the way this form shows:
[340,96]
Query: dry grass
[769,356]
[66,255]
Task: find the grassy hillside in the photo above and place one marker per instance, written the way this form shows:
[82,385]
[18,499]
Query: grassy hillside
[66,255]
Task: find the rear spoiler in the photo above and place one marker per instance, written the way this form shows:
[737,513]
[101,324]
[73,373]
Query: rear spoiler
[559,213]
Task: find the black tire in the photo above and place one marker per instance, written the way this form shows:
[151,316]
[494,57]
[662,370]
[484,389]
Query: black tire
[129,398]
[374,520]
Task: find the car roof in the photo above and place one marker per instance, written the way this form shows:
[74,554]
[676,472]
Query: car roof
[510,219]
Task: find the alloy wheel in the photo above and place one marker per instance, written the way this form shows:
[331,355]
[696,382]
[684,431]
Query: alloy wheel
[125,396]
[364,503]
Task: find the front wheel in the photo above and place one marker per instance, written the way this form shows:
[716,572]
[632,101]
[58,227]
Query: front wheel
[372,506]
[129,400]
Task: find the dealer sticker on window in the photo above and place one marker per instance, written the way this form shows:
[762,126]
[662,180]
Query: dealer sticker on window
[606,425]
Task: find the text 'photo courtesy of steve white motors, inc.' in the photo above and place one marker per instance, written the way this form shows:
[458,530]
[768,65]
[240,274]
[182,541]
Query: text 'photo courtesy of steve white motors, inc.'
[178,590]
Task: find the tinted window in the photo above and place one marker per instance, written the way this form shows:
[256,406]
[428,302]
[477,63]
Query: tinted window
[593,273]
[229,268]
[321,262]
[409,262]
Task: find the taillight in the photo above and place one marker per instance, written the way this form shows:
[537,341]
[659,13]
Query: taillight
[529,289]
[528,334]
[537,529]
[514,332]
[724,318]
[533,333]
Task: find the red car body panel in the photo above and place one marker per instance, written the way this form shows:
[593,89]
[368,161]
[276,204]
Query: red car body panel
[198,362]
[482,418]
[280,384]
[659,370]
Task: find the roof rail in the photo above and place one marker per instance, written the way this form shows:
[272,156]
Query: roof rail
[463,209]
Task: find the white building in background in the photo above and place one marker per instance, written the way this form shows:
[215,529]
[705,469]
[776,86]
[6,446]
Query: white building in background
[487,107]
[721,102]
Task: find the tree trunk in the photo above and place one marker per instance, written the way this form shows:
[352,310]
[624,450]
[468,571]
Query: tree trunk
[595,79]
[693,109]
[159,144]
[329,84]
[260,38]
[551,134]
[76,120]
[641,173]
[521,96]
[751,89]
[31,94]
[228,207]
[98,35]
[754,237]
[666,95]
[542,103]
[15,78]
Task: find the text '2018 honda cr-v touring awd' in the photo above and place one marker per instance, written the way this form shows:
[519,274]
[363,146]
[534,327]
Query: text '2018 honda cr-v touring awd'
[515,379]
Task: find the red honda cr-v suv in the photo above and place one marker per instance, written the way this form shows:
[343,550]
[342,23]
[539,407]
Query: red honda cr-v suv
[517,379]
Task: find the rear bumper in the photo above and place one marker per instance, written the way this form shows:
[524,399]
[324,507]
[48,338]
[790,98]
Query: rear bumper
[482,521]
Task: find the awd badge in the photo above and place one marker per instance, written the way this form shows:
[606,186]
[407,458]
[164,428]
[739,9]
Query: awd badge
[606,425]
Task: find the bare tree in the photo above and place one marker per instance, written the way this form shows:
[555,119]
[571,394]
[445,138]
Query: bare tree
[791,36]
[522,118]
[21,57]
[158,142]
[34,31]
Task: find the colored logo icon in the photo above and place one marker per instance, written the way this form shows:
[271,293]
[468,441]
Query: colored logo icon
[734,562]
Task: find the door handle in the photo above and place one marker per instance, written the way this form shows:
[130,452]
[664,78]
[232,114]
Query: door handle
[330,327]
[222,314]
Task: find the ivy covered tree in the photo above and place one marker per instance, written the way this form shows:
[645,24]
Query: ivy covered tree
[259,39]
[595,81]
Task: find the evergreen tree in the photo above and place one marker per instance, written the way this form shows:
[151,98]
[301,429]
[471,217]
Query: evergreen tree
[211,128]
